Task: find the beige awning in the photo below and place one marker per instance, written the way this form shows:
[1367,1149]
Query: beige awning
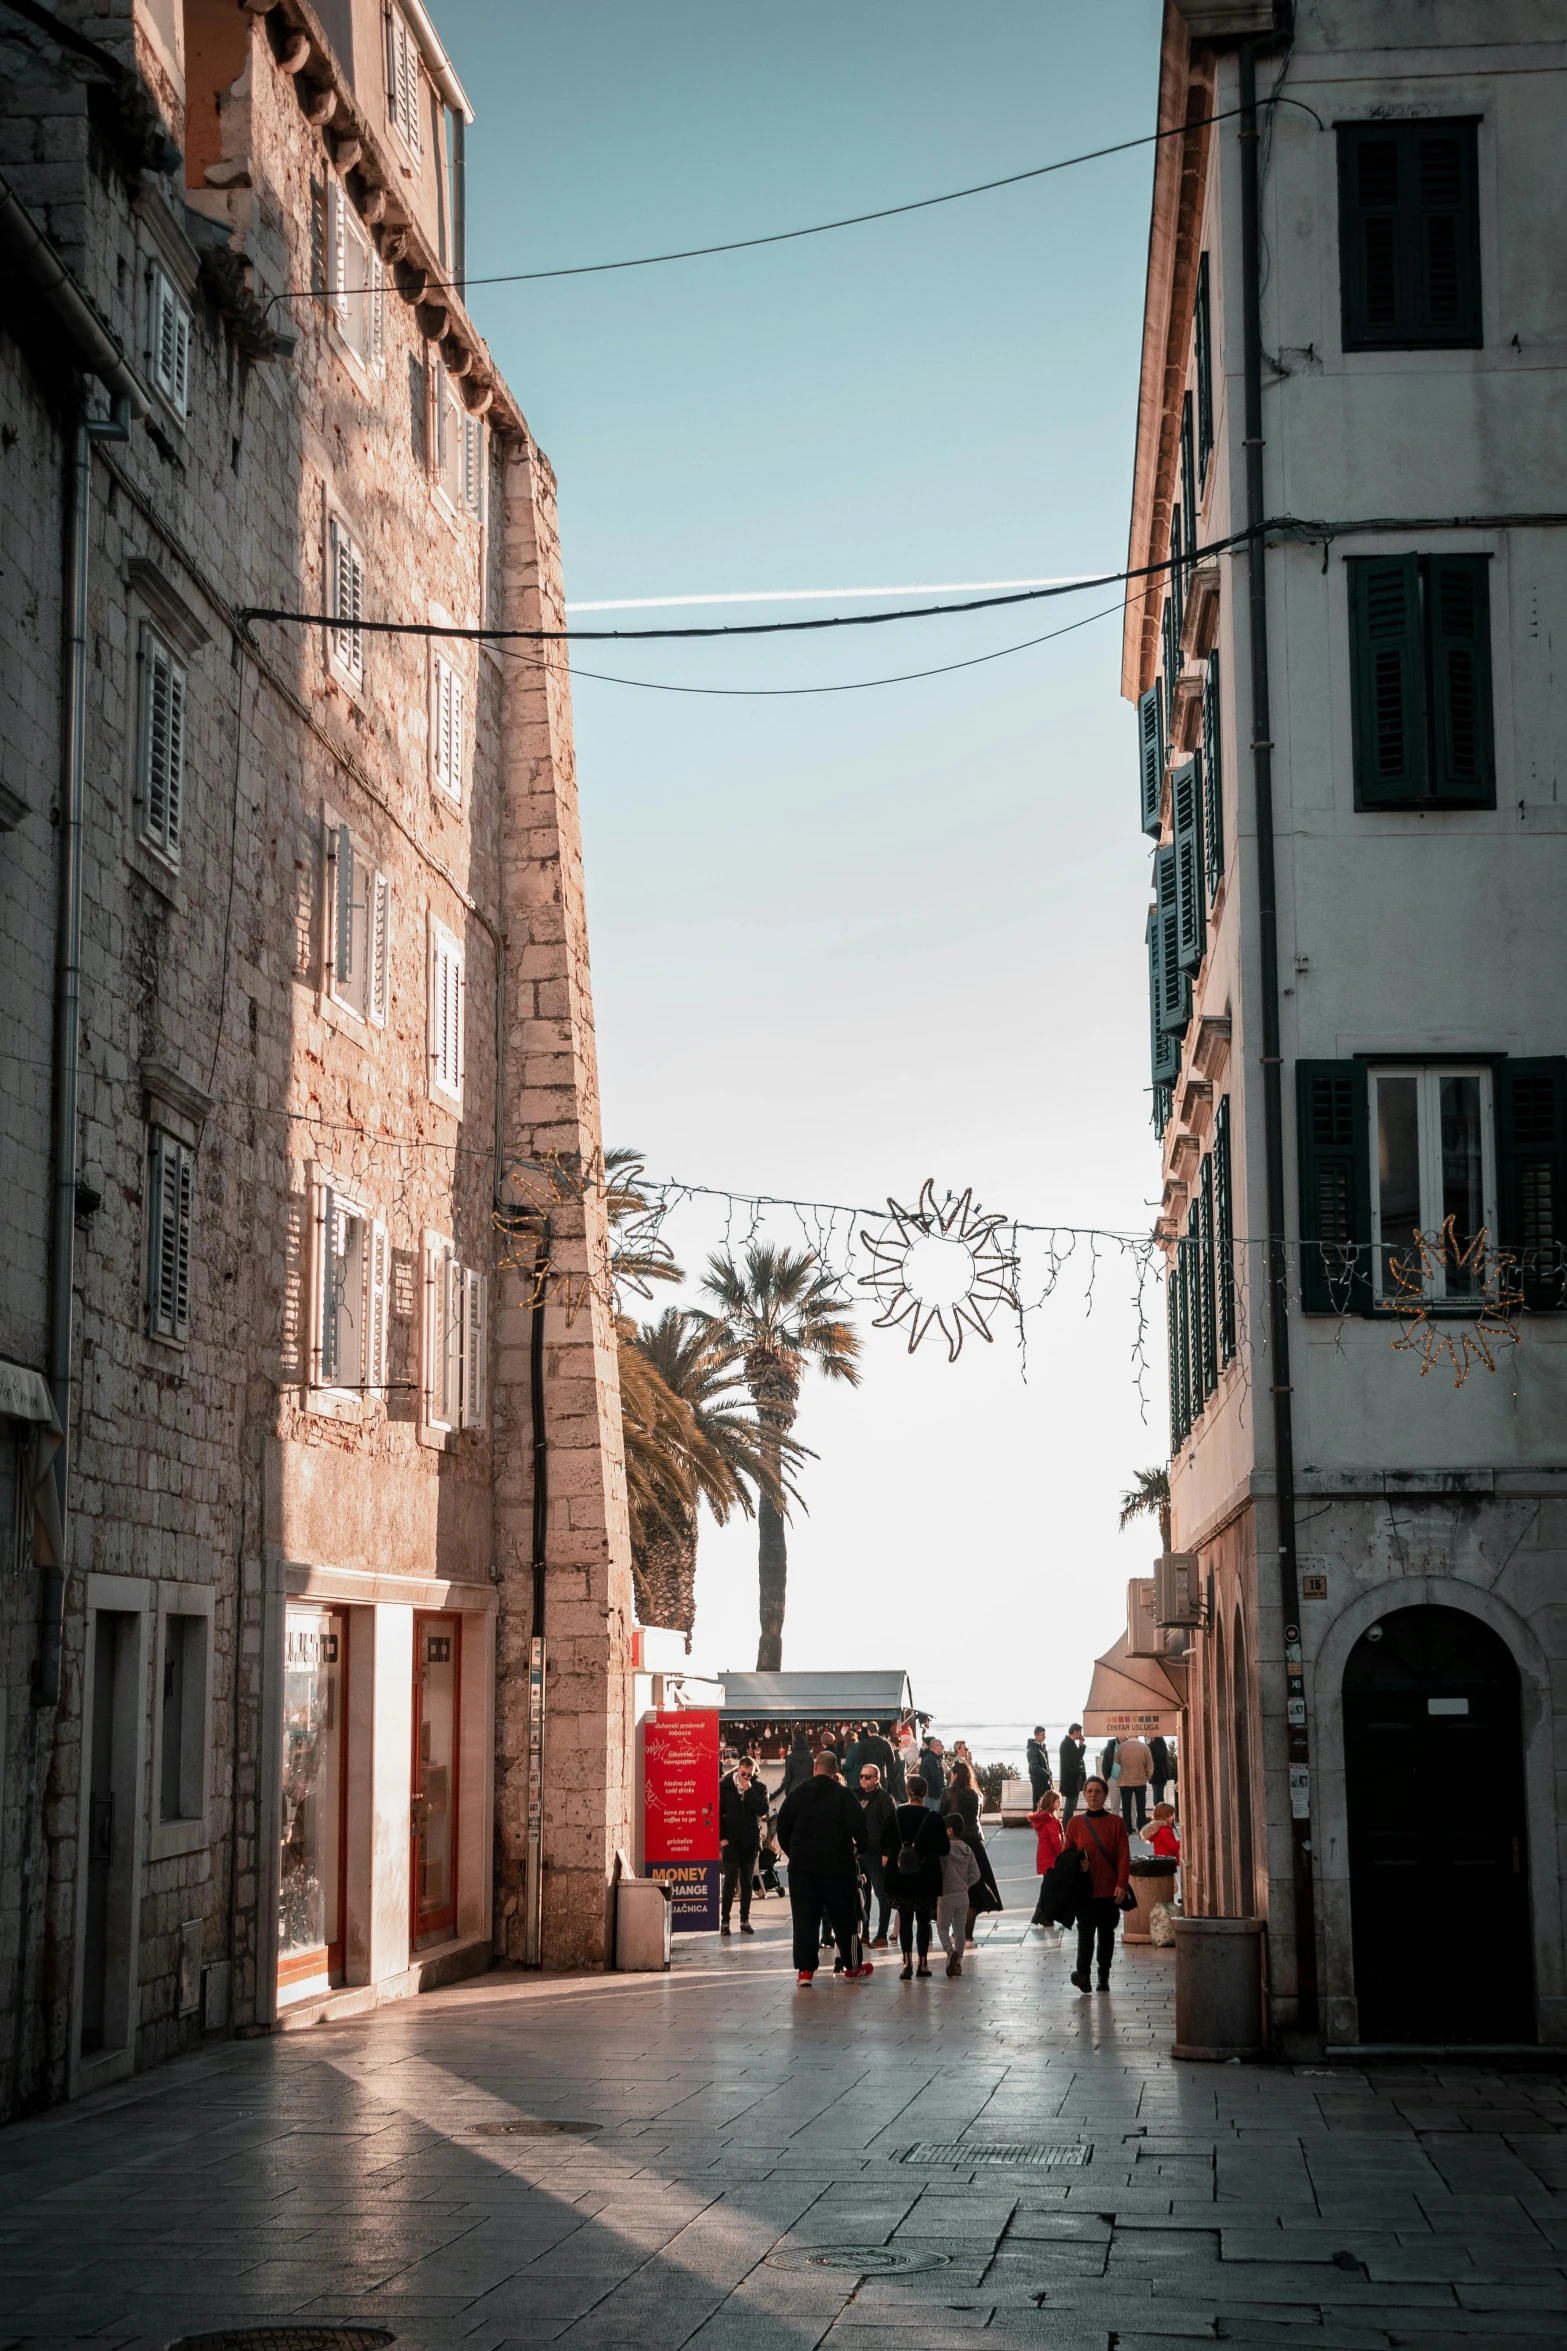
[1130,1696]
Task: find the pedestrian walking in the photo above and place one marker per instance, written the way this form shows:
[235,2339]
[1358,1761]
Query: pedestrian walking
[742,1809]
[1038,1765]
[1136,1761]
[878,1808]
[915,1849]
[959,1878]
[799,1763]
[1073,1770]
[1163,1771]
[1100,1837]
[933,1772]
[822,1829]
[962,1798]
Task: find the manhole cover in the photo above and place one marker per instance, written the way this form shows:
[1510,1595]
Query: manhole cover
[1032,2158]
[864,2261]
[534,2130]
[288,2339]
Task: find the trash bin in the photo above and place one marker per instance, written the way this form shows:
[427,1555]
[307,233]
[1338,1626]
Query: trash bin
[1218,1989]
[1152,1881]
[643,1912]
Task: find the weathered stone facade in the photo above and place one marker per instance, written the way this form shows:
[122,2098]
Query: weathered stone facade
[345,995]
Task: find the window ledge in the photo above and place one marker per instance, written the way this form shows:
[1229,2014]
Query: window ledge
[437,1440]
[160,873]
[168,1838]
[343,1404]
[164,1356]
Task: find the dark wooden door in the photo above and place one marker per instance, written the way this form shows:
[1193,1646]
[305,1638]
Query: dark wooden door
[1438,1858]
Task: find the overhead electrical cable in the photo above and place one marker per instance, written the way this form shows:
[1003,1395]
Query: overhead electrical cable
[819,595]
[823,228]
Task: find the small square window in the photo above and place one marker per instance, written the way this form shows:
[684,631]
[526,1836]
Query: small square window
[160,757]
[171,1166]
[168,340]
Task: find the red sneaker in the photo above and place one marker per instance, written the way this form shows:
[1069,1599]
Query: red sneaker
[805,1976]
[852,1975]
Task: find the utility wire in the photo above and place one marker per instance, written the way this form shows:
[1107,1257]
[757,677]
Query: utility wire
[822,228]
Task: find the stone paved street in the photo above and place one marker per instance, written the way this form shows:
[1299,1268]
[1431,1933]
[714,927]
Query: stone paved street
[748,2170]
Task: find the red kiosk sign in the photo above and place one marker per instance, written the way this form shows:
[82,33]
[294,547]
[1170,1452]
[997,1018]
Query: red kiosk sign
[680,1812]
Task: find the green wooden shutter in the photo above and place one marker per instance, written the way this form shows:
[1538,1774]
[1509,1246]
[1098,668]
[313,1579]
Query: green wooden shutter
[1190,895]
[1183,1369]
[1210,1317]
[1204,357]
[1388,701]
[1224,1228]
[1212,780]
[1175,987]
[1194,1309]
[1150,746]
[1335,1187]
[1165,1046]
[1463,753]
[1532,1161]
[1188,477]
[1172,1308]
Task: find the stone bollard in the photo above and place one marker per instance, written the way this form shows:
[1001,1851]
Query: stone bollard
[1218,1989]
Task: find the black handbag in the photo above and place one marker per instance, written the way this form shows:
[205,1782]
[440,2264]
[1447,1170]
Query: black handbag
[1126,1901]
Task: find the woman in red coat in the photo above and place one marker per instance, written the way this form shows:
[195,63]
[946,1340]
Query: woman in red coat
[1100,1836]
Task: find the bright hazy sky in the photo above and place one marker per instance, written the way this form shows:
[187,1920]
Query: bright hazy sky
[844,942]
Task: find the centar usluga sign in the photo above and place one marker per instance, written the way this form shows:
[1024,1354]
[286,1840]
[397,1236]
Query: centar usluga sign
[680,1812]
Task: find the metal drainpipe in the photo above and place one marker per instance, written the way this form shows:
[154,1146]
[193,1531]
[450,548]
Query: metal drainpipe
[62,1233]
[1272,1066]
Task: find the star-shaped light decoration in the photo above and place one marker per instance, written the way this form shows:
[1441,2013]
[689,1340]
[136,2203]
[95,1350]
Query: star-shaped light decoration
[940,1265]
[1494,1277]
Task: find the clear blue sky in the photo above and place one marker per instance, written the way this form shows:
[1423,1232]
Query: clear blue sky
[844,942]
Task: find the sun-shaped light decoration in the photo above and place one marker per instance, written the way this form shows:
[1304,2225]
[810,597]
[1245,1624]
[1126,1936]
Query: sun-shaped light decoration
[1493,1277]
[940,1265]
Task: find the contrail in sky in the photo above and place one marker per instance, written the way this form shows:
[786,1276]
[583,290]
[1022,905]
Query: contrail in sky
[824,595]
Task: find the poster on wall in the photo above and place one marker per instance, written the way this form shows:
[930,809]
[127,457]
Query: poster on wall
[680,1813]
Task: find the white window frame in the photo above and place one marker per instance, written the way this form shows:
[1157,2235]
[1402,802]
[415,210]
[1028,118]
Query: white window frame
[171,1183]
[475,1348]
[349,1309]
[168,339]
[357,296]
[345,570]
[448,438]
[164,694]
[474,467]
[448,726]
[448,990]
[1429,1076]
[404,80]
[443,1334]
[358,926]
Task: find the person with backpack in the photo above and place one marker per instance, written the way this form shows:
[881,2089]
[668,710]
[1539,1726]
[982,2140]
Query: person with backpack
[798,1764]
[822,1830]
[1101,1838]
[962,1798]
[878,1808]
[915,1849]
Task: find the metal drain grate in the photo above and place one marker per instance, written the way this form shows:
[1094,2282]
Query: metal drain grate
[1034,2158]
[865,2261]
[288,2339]
[533,2130]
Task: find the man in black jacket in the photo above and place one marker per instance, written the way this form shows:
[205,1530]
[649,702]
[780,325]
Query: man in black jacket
[1074,1771]
[822,1829]
[1038,1764]
[742,1808]
[798,1765]
[878,1809]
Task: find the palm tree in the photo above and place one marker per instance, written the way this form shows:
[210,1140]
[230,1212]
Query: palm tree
[688,1441]
[1148,1496]
[777,1313]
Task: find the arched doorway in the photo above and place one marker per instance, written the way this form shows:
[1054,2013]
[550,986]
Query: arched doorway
[1240,1732]
[1438,1859]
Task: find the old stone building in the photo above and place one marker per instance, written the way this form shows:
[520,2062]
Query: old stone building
[305,1263]
[1345,669]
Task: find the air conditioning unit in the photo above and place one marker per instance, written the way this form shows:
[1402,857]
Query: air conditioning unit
[1143,1637]
[1177,1590]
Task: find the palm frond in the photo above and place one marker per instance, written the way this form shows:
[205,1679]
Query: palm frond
[1147,1496]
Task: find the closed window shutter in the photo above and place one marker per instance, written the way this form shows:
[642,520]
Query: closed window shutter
[378,1306]
[1150,752]
[337,208]
[1212,780]
[1194,1364]
[1209,1349]
[1190,896]
[1188,477]
[1165,1047]
[1532,1164]
[343,944]
[475,1350]
[170,1169]
[1183,1368]
[163,747]
[331,1285]
[446,1011]
[1177,598]
[1335,1187]
[448,727]
[187,1169]
[1224,1229]
[376,298]
[1204,370]
[1387,680]
[1175,987]
[452,1342]
[1446,275]
[1457,588]
[380,949]
[1172,1303]
[1171,657]
[473,465]
[1409,235]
